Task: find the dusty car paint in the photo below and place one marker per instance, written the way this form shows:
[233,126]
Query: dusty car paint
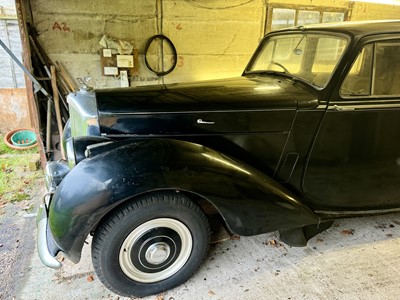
[268,151]
[242,194]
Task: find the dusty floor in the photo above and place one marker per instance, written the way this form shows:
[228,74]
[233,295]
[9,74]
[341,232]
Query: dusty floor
[354,259]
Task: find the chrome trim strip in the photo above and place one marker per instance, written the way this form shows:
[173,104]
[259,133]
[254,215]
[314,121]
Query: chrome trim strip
[365,106]
[358,212]
[103,113]
[43,250]
[166,136]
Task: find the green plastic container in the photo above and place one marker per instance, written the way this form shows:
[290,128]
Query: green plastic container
[23,138]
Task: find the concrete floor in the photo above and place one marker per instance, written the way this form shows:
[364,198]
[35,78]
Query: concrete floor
[355,259]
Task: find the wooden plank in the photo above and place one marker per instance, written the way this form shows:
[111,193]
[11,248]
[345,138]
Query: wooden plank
[57,106]
[67,79]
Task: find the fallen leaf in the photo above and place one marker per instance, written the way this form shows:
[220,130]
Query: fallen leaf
[347,231]
[273,243]
[211,293]
[90,278]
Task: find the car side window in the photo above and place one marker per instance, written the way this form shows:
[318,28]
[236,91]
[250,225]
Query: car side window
[375,72]
[387,75]
[358,80]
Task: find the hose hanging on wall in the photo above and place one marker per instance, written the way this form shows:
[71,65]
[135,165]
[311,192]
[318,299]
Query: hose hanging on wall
[174,59]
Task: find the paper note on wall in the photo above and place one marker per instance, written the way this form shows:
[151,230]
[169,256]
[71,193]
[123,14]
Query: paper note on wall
[107,53]
[111,71]
[124,79]
[125,61]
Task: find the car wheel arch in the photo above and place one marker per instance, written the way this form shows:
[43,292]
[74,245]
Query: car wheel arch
[248,201]
[205,204]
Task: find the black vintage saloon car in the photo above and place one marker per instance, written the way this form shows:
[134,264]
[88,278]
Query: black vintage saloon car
[309,133]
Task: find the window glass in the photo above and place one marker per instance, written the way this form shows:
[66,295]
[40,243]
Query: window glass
[327,54]
[358,81]
[376,71]
[311,57]
[282,18]
[264,58]
[275,54]
[291,60]
[307,17]
[296,15]
[332,17]
[387,68]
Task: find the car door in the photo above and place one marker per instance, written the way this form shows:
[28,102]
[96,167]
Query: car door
[355,162]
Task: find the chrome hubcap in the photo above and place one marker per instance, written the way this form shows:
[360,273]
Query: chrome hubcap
[155,250]
[157,253]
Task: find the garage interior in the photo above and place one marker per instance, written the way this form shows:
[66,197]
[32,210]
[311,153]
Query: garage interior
[355,259]
[212,40]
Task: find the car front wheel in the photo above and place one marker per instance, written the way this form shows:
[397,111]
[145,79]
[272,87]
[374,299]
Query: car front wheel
[150,244]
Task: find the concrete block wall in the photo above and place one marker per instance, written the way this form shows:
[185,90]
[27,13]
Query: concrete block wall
[70,31]
[214,39]
[326,3]
[211,41]
[369,11]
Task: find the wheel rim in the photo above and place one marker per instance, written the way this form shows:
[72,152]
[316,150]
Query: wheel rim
[155,250]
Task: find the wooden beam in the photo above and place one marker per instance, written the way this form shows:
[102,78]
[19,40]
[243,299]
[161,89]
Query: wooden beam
[26,60]
[57,107]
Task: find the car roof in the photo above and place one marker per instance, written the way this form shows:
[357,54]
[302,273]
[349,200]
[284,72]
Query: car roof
[357,29]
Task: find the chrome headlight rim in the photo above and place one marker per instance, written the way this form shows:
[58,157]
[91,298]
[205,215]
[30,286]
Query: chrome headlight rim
[70,151]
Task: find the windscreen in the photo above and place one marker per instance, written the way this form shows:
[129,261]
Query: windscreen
[308,56]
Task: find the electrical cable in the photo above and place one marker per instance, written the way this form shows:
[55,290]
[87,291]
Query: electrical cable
[174,53]
[196,4]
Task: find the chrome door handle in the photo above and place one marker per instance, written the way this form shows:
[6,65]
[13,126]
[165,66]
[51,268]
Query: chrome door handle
[201,121]
[343,108]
